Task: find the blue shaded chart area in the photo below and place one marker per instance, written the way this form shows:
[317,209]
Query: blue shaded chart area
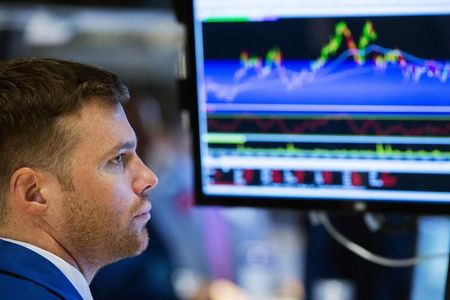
[347,75]
[345,83]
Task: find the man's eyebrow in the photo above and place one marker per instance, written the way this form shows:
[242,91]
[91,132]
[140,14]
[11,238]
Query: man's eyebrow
[123,146]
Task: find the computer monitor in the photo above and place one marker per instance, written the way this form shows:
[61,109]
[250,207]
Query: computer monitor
[322,104]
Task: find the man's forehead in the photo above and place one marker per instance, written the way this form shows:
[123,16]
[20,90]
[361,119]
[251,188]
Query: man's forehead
[100,124]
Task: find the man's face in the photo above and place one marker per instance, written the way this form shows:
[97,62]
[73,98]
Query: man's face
[105,215]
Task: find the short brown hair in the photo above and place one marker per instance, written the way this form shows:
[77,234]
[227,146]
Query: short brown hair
[35,95]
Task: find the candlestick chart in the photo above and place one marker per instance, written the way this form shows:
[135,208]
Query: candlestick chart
[346,72]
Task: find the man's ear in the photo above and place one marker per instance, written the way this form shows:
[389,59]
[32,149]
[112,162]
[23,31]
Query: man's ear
[26,186]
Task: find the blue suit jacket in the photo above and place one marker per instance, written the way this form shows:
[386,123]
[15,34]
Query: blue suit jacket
[25,274]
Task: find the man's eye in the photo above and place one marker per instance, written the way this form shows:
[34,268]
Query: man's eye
[119,159]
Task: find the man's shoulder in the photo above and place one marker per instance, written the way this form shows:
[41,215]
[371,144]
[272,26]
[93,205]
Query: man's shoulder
[23,271]
[14,287]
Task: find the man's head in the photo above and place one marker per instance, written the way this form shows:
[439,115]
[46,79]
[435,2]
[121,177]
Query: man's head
[35,97]
[68,159]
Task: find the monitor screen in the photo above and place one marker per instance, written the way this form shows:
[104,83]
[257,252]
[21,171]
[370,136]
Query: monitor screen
[322,104]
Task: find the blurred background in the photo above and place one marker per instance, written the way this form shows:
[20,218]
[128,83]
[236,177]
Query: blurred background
[211,252]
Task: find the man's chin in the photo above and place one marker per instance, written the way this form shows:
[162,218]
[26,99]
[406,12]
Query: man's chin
[144,243]
[131,245]
[141,242]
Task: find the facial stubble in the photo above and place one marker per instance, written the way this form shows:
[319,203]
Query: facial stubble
[98,237]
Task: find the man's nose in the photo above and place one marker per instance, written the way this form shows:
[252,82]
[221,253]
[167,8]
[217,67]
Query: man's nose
[145,179]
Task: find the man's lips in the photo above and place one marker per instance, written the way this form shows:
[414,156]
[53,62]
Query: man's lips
[144,212]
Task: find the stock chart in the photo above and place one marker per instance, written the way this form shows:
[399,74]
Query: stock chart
[356,104]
